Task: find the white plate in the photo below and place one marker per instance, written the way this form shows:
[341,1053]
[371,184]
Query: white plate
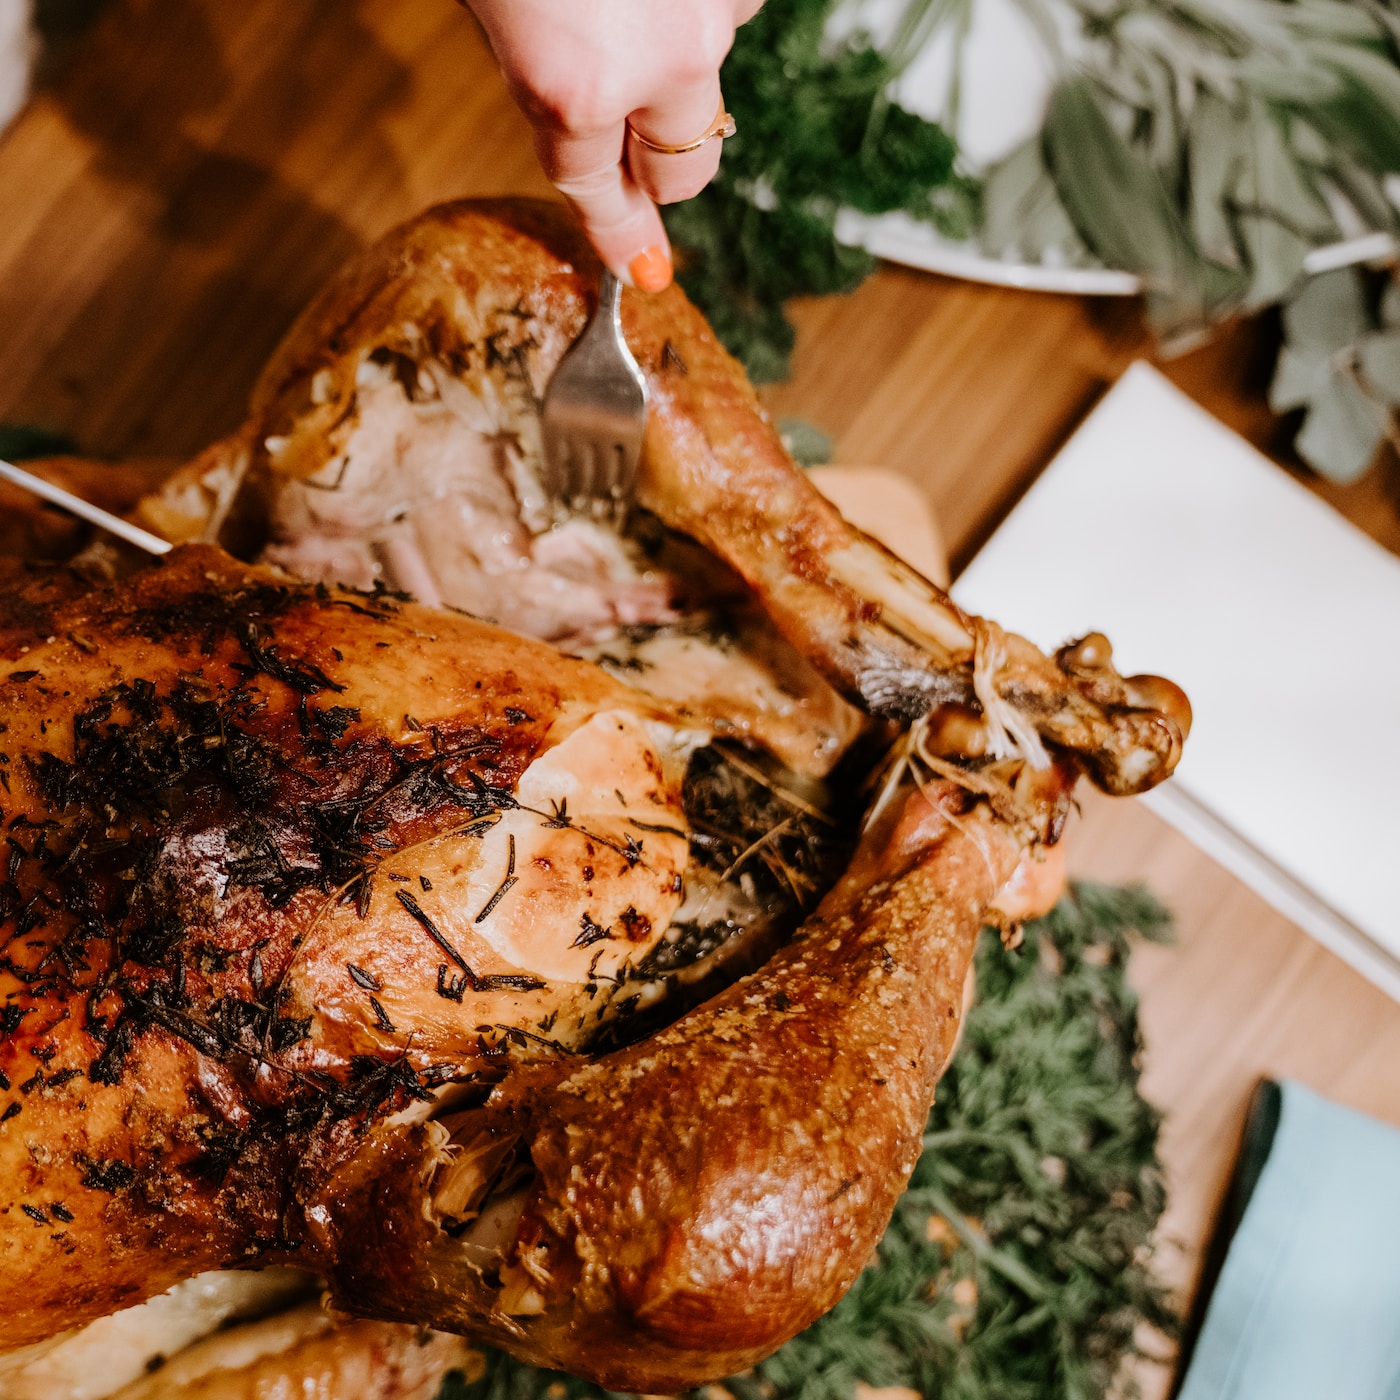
[902,239]
[1004,81]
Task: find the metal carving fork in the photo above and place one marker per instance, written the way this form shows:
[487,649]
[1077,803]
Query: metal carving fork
[595,411]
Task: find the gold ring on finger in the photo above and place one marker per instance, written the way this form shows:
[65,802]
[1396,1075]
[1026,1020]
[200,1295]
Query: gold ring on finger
[722,126]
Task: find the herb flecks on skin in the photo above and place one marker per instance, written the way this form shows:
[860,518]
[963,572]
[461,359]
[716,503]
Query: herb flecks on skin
[506,884]
[590,932]
[297,803]
[415,910]
[750,833]
[363,979]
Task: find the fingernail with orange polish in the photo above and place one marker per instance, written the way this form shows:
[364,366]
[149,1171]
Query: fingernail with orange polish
[651,269]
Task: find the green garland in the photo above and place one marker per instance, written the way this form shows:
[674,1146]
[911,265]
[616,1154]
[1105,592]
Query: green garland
[1016,1266]
[815,132]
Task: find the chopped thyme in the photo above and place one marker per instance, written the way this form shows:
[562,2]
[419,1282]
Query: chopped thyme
[506,885]
[515,981]
[655,826]
[334,720]
[590,933]
[380,1015]
[519,1037]
[361,978]
[303,676]
[451,988]
[105,1176]
[433,932]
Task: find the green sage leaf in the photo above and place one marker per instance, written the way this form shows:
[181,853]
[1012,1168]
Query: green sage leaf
[1124,212]
[1328,314]
[1279,212]
[1299,377]
[1022,216]
[1341,432]
[1364,115]
[1216,150]
[1379,357]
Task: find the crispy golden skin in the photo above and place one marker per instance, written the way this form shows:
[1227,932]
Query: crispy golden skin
[216,801]
[257,933]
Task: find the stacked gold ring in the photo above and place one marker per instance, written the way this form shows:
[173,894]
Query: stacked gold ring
[722,126]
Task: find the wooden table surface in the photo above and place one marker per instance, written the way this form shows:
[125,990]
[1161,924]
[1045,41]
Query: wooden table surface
[200,169]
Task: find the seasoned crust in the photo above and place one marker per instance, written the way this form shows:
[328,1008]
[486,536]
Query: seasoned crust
[684,1205]
[179,752]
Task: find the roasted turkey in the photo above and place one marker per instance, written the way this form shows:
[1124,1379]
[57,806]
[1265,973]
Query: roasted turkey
[565,958]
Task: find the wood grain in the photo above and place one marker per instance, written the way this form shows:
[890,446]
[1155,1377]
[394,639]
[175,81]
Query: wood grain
[202,167]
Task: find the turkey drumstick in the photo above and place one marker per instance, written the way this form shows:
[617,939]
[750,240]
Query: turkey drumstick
[697,1199]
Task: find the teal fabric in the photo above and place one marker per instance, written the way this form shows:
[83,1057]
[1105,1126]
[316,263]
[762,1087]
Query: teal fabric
[1307,1306]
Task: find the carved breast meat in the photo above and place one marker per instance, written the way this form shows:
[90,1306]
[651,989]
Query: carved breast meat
[358,933]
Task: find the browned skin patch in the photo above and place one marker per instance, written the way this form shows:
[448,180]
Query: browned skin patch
[222,756]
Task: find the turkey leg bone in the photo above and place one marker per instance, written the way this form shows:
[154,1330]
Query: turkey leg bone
[491,293]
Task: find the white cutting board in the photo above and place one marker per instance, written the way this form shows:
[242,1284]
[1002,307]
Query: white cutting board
[1205,562]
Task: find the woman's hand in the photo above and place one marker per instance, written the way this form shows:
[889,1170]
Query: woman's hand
[584,72]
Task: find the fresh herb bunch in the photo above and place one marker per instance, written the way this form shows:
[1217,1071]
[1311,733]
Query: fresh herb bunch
[1340,363]
[1207,147]
[1211,146]
[1016,1266]
[816,130]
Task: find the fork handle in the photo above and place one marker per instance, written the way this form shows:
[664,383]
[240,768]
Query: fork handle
[610,297]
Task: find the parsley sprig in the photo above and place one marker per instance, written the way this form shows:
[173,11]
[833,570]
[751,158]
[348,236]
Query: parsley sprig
[816,130]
